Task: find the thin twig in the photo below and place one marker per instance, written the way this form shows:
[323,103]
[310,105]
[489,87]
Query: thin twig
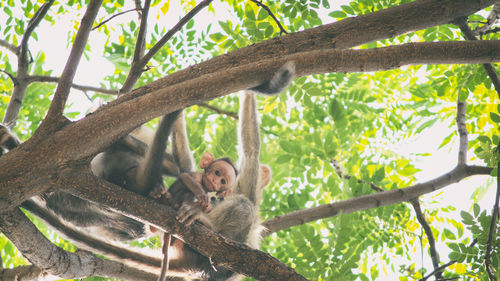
[220,111]
[260,4]
[112,17]
[430,237]
[492,19]
[462,132]
[437,270]
[12,77]
[493,224]
[34,22]
[339,172]
[42,78]
[464,27]
[494,30]
[172,31]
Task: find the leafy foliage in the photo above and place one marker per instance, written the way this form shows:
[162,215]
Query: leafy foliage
[353,119]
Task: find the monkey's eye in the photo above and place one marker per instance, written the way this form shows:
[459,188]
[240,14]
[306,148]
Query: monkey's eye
[217,173]
[223,181]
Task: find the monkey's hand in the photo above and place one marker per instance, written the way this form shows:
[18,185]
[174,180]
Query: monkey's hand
[159,191]
[204,201]
[188,213]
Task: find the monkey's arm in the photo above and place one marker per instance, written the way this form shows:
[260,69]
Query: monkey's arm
[249,142]
[189,181]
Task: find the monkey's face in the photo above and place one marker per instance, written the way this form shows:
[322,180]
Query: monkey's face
[218,175]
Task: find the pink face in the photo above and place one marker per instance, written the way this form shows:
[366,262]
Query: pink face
[218,175]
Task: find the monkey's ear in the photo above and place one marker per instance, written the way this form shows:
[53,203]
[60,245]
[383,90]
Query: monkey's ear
[265,176]
[206,159]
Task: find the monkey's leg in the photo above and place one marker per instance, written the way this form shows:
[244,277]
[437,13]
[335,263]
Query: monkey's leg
[167,238]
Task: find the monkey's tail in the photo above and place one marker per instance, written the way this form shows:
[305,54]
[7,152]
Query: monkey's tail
[280,80]
[167,238]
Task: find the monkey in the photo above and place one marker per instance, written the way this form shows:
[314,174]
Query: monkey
[236,217]
[192,188]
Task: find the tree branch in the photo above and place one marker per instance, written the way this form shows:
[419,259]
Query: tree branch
[55,261]
[430,237]
[462,131]
[222,252]
[112,17]
[11,47]
[437,270]
[490,70]
[346,33]
[341,175]
[492,233]
[114,120]
[371,201]
[63,87]
[219,111]
[260,4]
[491,20]
[141,63]
[12,77]
[42,78]
[17,98]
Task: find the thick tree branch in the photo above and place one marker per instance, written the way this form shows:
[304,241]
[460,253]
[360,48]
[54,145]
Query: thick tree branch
[222,251]
[371,201]
[63,87]
[346,33]
[55,261]
[462,132]
[112,121]
[488,67]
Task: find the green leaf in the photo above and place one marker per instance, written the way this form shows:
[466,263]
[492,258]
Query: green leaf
[495,117]
[337,14]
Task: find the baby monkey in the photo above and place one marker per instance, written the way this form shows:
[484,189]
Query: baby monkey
[218,176]
[193,188]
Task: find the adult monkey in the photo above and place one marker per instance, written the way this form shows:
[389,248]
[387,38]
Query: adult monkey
[236,217]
